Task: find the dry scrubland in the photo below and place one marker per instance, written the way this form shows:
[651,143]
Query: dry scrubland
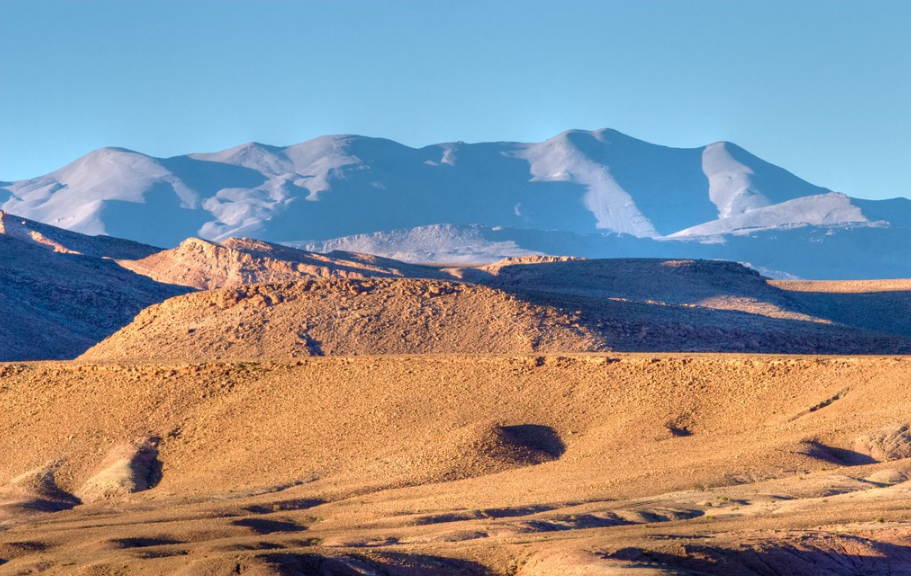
[63,293]
[519,306]
[247,408]
[442,464]
[344,317]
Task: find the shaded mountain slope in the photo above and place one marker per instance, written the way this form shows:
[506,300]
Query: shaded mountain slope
[712,284]
[58,304]
[882,307]
[63,241]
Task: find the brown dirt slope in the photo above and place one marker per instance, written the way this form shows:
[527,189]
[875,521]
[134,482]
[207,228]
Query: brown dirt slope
[495,465]
[60,302]
[412,316]
[343,317]
[206,265]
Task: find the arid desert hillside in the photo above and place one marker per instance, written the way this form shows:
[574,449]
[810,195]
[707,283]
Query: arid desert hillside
[881,305]
[412,316]
[239,261]
[246,408]
[63,292]
[495,465]
[344,317]
[66,292]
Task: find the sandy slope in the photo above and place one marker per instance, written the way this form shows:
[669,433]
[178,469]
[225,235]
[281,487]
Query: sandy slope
[63,292]
[237,261]
[339,317]
[533,465]
[541,304]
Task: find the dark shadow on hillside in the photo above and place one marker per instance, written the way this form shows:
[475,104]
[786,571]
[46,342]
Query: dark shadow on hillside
[144,542]
[62,304]
[285,505]
[888,311]
[388,563]
[208,177]
[834,455]
[262,526]
[839,556]
[655,305]
[542,438]
[162,217]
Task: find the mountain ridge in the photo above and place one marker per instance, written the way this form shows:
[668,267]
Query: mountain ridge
[63,292]
[658,200]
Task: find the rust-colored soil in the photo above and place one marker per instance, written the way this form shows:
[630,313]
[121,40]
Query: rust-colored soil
[339,317]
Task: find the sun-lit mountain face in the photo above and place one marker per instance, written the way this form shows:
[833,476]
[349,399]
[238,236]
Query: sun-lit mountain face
[592,193]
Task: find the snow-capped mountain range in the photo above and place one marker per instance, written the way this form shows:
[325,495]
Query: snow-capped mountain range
[593,193]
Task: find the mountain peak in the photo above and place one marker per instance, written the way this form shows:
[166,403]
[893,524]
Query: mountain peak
[256,146]
[107,152]
[579,182]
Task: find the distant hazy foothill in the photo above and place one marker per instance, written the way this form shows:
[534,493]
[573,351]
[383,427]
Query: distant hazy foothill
[596,194]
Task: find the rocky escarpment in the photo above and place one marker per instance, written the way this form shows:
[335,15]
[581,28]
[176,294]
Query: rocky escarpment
[206,265]
[345,317]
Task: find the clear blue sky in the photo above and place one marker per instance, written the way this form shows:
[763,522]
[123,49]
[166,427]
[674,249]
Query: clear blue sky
[820,87]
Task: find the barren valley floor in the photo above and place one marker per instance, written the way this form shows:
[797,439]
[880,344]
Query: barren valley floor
[536,465]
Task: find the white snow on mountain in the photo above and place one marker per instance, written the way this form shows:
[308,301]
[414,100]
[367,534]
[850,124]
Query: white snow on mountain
[578,182]
[730,182]
[559,160]
[439,243]
[822,210]
[73,196]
